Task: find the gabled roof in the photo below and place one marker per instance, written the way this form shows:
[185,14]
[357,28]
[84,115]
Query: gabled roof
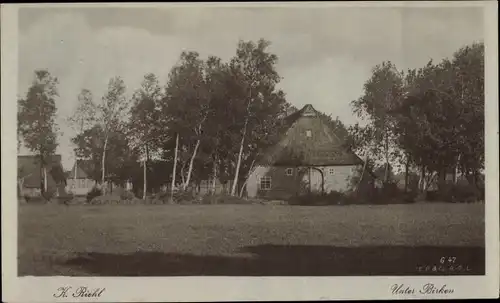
[28,167]
[81,166]
[295,148]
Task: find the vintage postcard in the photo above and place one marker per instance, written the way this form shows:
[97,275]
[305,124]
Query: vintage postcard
[238,151]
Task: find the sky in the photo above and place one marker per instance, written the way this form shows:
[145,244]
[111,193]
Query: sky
[325,53]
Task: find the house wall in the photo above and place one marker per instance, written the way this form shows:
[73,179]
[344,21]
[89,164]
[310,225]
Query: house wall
[338,178]
[79,187]
[253,180]
[284,187]
[31,191]
[205,187]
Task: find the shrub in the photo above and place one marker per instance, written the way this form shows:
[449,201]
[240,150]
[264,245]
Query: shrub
[127,195]
[49,194]
[105,200]
[184,197]
[94,192]
[468,193]
[390,193]
[456,193]
[159,198]
[114,200]
[179,197]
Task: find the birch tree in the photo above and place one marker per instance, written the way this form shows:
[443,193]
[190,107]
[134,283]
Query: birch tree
[144,119]
[443,117]
[174,169]
[255,75]
[381,93]
[36,120]
[112,112]
[217,139]
[84,117]
[187,106]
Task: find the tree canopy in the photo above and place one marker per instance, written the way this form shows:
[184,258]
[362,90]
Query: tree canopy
[213,119]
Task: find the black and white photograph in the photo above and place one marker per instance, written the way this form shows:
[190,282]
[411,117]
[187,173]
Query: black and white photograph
[252,141]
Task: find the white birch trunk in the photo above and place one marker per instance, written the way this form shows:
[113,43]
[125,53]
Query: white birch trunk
[238,164]
[362,173]
[248,177]
[175,167]
[421,180]
[407,165]
[214,185]
[242,189]
[386,172]
[74,177]
[214,176]
[190,169]
[386,147]
[103,167]
[76,156]
[145,188]
[455,177]
[20,184]
[430,179]
[183,179]
[45,187]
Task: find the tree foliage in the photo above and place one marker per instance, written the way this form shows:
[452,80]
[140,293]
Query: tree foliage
[144,113]
[101,133]
[381,94]
[84,116]
[121,161]
[37,113]
[224,112]
[433,115]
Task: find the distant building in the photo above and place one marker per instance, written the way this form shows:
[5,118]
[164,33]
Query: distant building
[78,179]
[309,157]
[32,174]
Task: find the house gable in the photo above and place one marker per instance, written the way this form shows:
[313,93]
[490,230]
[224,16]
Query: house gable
[307,140]
[310,148]
[28,169]
[77,172]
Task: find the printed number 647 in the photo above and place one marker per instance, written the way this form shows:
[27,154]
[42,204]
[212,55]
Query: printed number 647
[449,259]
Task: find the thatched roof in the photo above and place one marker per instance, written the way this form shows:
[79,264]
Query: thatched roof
[28,167]
[322,148]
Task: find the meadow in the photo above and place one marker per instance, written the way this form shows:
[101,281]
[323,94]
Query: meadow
[249,240]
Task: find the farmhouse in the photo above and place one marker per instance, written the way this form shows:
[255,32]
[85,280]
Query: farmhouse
[31,174]
[309,157]
[79,181]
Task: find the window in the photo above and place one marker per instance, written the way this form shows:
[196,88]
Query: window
[265,183]
[289,171]
[331,171]
[308,133]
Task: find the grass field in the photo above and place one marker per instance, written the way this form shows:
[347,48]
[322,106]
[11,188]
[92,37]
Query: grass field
[228,240]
